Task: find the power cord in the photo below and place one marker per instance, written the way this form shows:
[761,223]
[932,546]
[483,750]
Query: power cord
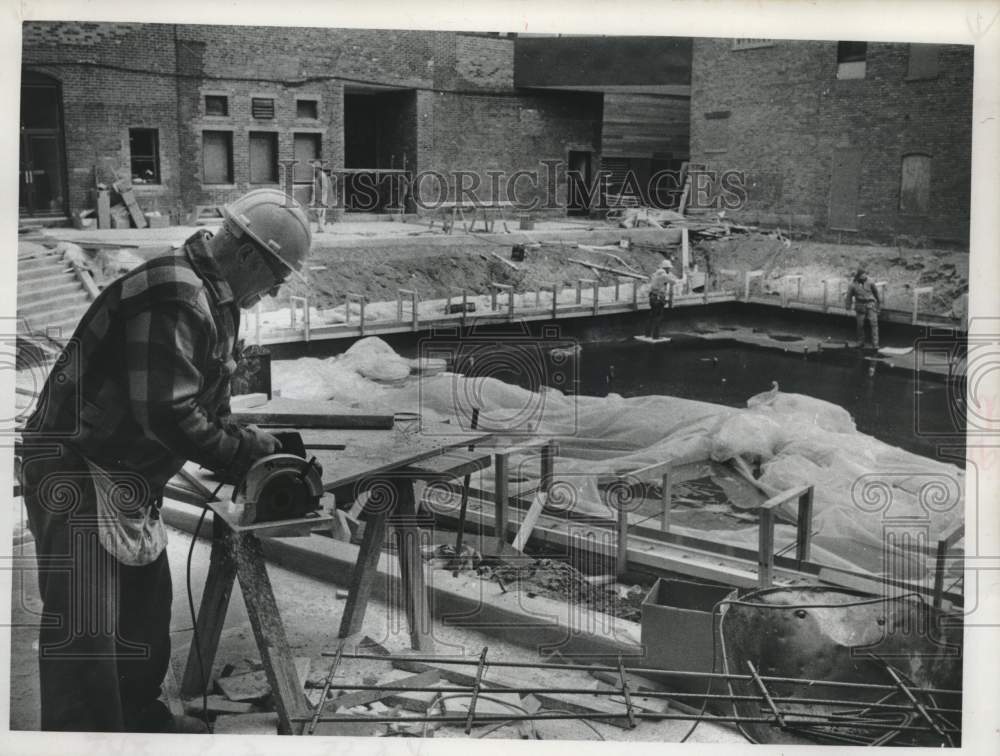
[190,597]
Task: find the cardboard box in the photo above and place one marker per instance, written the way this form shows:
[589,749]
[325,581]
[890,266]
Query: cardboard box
[677,627]
[157,221]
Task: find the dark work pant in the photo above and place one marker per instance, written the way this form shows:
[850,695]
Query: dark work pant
[104,640]
[870,314]
[656,304]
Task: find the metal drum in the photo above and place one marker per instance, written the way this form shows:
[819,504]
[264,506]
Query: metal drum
[889,650]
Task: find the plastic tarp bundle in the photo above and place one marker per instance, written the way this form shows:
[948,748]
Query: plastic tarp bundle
[866,492]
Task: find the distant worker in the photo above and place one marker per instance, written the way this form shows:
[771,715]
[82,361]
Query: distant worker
[662,279]
[142,387]
[322,191]
[862,294]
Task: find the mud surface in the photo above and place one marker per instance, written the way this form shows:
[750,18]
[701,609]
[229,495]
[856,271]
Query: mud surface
[438,266]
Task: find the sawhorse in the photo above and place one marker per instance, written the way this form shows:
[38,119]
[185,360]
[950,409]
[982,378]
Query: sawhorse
[394,504]
[237,553]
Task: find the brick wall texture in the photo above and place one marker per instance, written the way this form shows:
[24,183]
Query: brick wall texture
[446,102]
[781,114]
[450,103]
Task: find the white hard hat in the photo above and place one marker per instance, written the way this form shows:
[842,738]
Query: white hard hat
[667,263]
[275,222]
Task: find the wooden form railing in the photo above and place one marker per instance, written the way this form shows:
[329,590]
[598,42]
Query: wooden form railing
[663,474]
[765,533]
[730,285]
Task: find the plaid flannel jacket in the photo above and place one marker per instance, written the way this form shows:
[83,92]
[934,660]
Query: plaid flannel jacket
[143,385]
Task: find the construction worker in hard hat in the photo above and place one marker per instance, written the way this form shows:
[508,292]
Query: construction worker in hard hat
[322,190]
[863,295]
[660,284]
[141,388]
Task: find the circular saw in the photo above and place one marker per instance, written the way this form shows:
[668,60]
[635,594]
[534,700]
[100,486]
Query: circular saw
[280,487]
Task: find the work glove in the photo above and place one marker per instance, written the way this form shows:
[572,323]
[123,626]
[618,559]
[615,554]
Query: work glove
[254,444]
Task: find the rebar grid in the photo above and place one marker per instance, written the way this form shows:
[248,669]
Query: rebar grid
[879,711]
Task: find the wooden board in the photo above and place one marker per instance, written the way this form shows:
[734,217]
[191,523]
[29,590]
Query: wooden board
[649,340]
[128,197]
[103,208]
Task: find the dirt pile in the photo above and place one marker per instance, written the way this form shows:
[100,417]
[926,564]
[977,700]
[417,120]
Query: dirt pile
[436,272]
[904,269]
[441,266]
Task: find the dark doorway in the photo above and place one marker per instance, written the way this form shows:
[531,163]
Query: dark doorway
[578,183]
[380,130]
[42,180]
[845,182]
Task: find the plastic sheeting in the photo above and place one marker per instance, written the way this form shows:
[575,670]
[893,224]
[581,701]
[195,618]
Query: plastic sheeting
[872,500]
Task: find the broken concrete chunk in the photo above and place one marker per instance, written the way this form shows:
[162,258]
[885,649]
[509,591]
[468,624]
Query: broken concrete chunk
[411,701]
[362,697]
[251,686]
[241,667]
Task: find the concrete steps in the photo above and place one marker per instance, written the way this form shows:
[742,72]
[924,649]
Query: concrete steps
[54,305]
[50,297]
[39,259]
[51,291]
[42,272]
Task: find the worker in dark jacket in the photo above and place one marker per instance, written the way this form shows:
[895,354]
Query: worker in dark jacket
[661,284]
[862,294]
[142,387]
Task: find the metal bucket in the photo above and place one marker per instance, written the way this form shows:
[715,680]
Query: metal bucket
[815,635]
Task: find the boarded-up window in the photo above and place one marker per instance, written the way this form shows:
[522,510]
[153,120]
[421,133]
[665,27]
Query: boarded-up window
[923,62]
[263,157]
[915,185]
[716,131]
[217,157]
[262,108]
[306,147]
[851,60]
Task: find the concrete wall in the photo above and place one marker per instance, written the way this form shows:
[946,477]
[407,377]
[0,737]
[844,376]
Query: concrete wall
[781,114]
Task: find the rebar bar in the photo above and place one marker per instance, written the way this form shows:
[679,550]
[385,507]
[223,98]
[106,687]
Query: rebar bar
[643,671]
[525,690]
[626,694]
[766,694]
[475,691]
[326,689]
[909,694]
[797,721]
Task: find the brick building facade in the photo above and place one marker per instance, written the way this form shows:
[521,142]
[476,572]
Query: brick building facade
[866,138]
[200,114]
